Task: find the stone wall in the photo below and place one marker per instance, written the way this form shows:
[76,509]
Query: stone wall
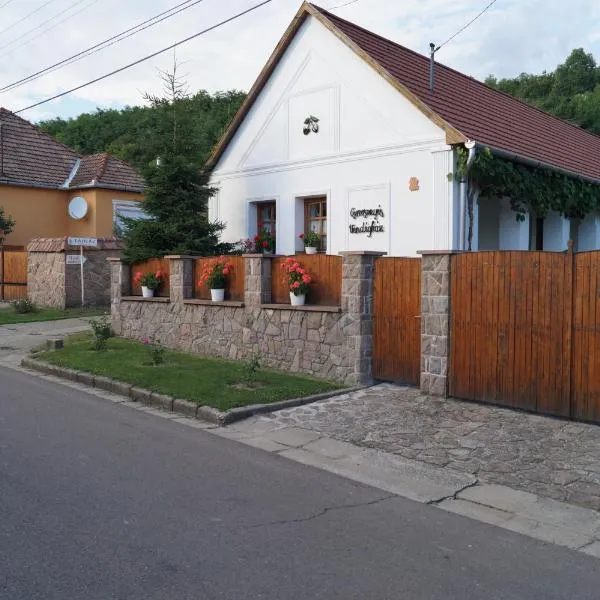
[329,342]
[96,276]
[435,322]
[46,279]
[53,283]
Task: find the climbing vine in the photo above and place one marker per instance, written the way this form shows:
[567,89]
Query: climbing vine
[532,190]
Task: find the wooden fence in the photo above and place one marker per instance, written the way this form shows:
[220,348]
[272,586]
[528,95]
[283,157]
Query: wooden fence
[151,265]
[326,271]
[235,285]
[13,274]
[397,320]
[525,331]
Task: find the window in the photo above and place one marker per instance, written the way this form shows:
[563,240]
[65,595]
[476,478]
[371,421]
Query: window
[266,217]
[315,219]
[129,209]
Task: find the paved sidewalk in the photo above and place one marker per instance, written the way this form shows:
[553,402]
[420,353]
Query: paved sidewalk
[541,455]
[18,339]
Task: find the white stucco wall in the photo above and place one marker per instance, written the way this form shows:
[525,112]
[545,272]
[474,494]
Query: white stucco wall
[557,232]
[513,234]
[371,142]
[588,237]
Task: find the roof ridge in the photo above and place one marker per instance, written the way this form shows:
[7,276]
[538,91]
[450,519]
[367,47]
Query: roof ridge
[331,17]
[103,165]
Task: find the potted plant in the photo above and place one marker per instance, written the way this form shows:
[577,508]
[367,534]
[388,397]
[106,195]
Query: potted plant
[215,275]
[297,279]
[264,241]
[149,282]
[311,242]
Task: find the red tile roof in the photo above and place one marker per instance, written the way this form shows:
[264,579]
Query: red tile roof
[480,112]
[466,108]
[28,156]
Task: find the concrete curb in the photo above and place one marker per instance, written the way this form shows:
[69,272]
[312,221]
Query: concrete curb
[182,407]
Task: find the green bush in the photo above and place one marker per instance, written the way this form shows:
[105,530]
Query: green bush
[102,332]
[24,306]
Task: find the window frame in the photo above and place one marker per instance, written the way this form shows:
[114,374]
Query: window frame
[322,201]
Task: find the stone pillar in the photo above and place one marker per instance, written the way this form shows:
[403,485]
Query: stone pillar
[257,282]
[181,277]
[358,269]
[435,322]
[120,285]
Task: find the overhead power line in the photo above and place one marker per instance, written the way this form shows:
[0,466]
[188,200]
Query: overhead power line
[155,20]
[149,56]
[342,5]
[5,3]
[33,12]
[467,25]
[59,14]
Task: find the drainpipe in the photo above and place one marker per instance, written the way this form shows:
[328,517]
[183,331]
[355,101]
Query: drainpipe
[464,184]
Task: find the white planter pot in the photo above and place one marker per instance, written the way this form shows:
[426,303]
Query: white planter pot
[297,300]
[147,292]
[217,295]
[310,250]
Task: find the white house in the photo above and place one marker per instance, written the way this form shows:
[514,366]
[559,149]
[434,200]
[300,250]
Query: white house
[344,134]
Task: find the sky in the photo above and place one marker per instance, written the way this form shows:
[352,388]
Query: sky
[512,37]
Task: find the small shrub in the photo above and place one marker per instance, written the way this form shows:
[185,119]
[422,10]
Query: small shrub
[156,352]
[102,332]
[23,306]
[252,367]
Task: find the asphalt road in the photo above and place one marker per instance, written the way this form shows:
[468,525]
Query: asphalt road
[98,501]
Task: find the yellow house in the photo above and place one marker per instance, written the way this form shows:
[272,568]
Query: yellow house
[39,178]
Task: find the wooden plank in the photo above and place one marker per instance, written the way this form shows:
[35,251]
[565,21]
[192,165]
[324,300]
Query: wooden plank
[396,322]
[585,380]
[594,374]
[326,271]
[13,274]
[152,265]
[235,285]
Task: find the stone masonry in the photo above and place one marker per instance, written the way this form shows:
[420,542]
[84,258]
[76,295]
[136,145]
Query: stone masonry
[357,303]
[435,322]
[53,283]
[330,342]
[46,279]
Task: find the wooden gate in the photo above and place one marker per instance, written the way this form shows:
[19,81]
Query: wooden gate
[585,361]
[397,320]
[13,274]
[525,331]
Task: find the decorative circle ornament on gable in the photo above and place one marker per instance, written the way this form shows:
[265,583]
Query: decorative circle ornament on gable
[78,208]
[311,124]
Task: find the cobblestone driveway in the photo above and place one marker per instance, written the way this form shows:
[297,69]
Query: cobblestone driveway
[550,457]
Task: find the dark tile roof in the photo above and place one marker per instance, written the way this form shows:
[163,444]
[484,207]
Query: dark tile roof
[465,108]
[480,112]
[28,156]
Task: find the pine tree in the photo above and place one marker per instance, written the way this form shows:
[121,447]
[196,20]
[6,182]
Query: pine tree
[177,191]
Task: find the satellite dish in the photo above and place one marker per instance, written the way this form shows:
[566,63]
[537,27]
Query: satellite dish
[78,208]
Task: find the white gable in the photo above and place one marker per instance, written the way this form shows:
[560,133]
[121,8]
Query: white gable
[319,76]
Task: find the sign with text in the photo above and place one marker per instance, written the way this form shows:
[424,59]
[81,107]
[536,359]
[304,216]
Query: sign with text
[76,259]
[82,241]
[368,218]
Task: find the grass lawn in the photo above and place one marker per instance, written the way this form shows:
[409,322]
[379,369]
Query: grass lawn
[9,316]
[207,381]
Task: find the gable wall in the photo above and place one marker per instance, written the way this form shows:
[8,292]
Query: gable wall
[371,142]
